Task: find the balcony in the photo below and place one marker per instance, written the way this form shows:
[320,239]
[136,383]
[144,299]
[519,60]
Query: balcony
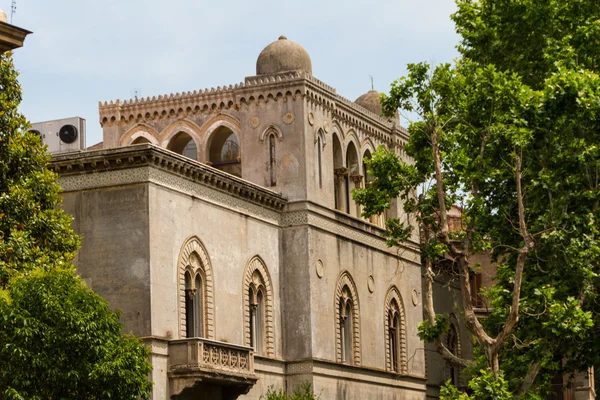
[201,365]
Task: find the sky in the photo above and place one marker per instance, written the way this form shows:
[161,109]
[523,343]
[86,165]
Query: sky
[85,51]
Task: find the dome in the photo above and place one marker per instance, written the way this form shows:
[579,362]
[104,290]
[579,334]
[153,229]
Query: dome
[370,101]
[281,56]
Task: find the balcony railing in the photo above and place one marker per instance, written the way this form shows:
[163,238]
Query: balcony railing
[195,362]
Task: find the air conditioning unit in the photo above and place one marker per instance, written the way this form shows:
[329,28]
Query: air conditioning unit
[61,135]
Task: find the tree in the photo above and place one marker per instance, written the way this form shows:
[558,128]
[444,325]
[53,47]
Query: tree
[34,232]
[62,341]
[510,133]
[58,340]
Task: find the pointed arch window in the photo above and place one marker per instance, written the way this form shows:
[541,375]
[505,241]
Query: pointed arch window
[394,336]
[258,308]
[452,343]
[194,305]
[272,160]
[319,161]
[347,326]
[196,291]
[395,333]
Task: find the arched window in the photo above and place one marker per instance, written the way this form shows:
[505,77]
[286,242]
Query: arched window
[319,161]
[189,305]
[224,151]
[272,160]
[183,144]
[452,343]
[347,327]
[196,291]
[194,305]
[352,179]
[339,174]
[368,178]
[395,333]
[258,308]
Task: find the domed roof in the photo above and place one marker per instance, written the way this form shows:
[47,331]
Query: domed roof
[370,101]
[281,56]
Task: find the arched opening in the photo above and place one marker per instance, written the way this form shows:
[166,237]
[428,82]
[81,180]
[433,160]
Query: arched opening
[258,308]
[198,303]
[394,335]
[252,307]
[272,161]
[452,345]
[183,144]
[260,330]
[224,151]
[347,326]
[367,179]
[257,315]
[319,161]
[352,180]
[140,140]
[339,174]
[346,321]
[189,306]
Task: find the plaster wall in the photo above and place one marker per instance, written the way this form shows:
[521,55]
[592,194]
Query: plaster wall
[114,256]
[231,239]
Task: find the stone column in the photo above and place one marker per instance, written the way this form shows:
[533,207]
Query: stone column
[340,192]
[356,184]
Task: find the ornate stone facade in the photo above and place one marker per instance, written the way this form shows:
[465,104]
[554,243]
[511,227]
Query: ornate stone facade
[221,223]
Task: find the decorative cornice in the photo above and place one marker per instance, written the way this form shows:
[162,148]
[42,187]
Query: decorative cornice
[156,157]
[11,37]
[289,85]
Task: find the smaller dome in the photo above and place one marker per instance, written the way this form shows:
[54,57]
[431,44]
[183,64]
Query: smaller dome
[370,101]
[3,17]
[281,56]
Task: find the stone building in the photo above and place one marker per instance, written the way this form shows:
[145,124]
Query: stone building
[221,223]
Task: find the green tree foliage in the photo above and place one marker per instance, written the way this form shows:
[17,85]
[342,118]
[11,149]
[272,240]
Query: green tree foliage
[510,132]
[58,339]
[302,392]
[34,232]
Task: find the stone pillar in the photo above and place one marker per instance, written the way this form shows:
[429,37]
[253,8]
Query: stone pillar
[356,184]
[340,190]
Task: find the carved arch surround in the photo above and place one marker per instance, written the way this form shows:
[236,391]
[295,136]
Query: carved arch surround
[254,266]
[140,130]
[393,294]
[194,258]
[346,281]
[271,129]
[180,125]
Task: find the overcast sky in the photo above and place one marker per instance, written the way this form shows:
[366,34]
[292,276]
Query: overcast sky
[85,51]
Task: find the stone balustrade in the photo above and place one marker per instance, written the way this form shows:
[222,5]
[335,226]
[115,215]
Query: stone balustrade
[210,356]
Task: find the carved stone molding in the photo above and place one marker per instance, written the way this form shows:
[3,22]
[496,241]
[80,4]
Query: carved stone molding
[193,258]
[357,179]
[126,165]
[288,118]
[346,287]
[254,122]
[373,240]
